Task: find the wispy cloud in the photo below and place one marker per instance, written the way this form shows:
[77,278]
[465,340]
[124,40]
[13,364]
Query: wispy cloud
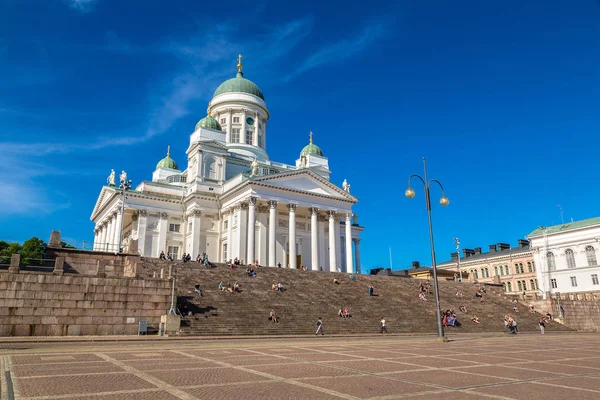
[82,5]
[337,52]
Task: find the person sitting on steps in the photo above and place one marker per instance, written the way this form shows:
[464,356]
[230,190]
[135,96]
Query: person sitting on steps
[221,287]
[475,319]
[371,290]
[280,287]
[162,256]
[274,286]
[236,287]
[422,297]
[272,317]
[198,290]
[463,309]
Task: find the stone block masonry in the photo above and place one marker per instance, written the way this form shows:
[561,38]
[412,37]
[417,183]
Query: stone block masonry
[46,304]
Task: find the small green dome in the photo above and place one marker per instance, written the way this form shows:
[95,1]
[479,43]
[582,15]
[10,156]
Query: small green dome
[167,162]
[239,84]
[312,148]
[209,123]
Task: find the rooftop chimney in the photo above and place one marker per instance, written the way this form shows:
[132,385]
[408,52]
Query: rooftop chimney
[454,256]
[503,246]
[492,248]
[523,243]
[416,264]
[468,252]
[477,250]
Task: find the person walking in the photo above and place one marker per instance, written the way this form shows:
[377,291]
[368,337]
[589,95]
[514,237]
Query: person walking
[383,328]
[319,327]
[542,325]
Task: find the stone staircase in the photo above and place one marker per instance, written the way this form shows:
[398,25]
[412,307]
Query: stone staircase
[312,294]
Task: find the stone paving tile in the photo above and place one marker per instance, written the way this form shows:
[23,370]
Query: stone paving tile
[506,372]
[220,353]
[447,378]
[435,362]
[63,368]
[143,355]
[368,386]
[147,395]
[372,353]
[260,360]
[54,358]
[559,368]
[76,384]
[260,390]
[450,395]
[534,391]
[374,366]
[581,382]
[320,356]
[590,363]
[301,370]
[194,377]
[485,359]
[158,366]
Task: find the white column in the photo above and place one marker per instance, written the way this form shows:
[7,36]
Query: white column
[96,237]
[292,232]
[272,232]
[349,258]
[255,134]
[244,126]
[332,242]
[261,247]
[228,134]
[101,243]
[118,231]
[322,257]
[357,254]
[241,233]
[229,236]
[113,233]
[251,229]
[314,240]
[195,217]
[338,245]
[162,234]
[142,227]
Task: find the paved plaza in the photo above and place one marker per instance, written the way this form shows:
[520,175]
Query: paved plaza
[556,366]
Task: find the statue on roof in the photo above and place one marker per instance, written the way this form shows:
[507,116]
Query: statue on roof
[111,178]
[346,186]
[123,178]
[254,167]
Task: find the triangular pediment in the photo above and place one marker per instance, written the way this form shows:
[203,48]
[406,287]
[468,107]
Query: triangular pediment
[103,198]
[303,181]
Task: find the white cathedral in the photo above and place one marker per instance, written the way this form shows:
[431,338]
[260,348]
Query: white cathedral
[232,201]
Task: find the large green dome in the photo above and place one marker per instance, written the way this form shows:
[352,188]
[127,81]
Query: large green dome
[209,122]
[239,84]
[167,162]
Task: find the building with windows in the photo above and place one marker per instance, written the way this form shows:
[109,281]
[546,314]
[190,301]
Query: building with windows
[513,267]
[231,200]
[567,257]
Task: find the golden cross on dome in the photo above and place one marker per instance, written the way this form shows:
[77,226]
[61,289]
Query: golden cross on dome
[310,134]
[169,150]
[239,66]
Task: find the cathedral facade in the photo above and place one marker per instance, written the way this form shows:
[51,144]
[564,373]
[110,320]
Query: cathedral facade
[233,201]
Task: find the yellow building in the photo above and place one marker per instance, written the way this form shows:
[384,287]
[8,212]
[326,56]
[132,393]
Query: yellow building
[513,267]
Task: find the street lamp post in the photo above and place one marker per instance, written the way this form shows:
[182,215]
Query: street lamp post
[410,193]
[457,242]
[124,186]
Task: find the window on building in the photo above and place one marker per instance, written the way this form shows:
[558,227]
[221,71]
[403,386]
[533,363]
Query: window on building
[574,281]
[524,285]
[223,121]
[476,274]
[591,255]
[504,287]
[496,270]
[509,287]
[520,286]
[529,267]
[594,279]
[551,261]
[225,224]
[173,252]
[506,271]
[532,284]
[248,137]
[259,140]
[553,284]
[235,135]
[236,120]
[225,258]
[521,268]
[516,268]
[570,258]
[174,228]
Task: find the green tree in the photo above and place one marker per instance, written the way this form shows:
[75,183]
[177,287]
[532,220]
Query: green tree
[8,249]
[33,250]
[65,245]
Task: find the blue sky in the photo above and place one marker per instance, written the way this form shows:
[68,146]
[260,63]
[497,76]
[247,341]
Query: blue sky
[501,98]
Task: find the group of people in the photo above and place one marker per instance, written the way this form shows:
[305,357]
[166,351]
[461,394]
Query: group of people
[424,290]
[277,286]
[235,288]
[449,318]
[186,257]
[203,259]
[510,324]
[479,294]
[344,313]
[250,272]
[164,257]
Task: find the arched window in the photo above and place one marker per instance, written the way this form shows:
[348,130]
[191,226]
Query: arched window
[504,286]
[506,272]
[476,274]
[570,258]
[529,267]
[521,269]
[210,168]
[516,268]
[520,286]
[591,256]
[509,286]
[496,270]
[551,261]
[532,284]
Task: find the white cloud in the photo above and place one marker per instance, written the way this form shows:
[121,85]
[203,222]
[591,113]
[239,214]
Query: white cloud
[82,5]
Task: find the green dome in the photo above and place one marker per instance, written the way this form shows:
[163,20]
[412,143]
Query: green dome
[167,162]
[313,149]
[239,84]
[209,123]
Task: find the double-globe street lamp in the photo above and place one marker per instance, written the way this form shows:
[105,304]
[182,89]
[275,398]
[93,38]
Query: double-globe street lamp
[410,193]
[124,185]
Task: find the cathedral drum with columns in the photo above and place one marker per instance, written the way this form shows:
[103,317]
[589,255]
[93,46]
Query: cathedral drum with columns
[232,201]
